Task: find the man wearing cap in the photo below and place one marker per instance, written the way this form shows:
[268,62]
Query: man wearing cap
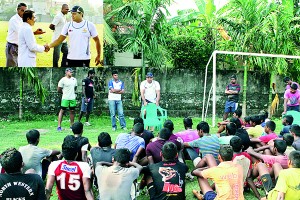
[14,25]
[57,26]
[115,90]
[150,90]
[27,42]
[232,94]
[79,32]
[67,86]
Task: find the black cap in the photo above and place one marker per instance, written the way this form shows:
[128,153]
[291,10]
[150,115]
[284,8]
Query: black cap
[77,9]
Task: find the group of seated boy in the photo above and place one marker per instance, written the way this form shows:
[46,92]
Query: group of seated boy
[244,153]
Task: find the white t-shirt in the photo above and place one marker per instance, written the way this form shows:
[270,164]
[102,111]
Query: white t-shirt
[14,25]
[59,21]
[32,156]
[79,39]
[150,89]
[68,87]
[114,85]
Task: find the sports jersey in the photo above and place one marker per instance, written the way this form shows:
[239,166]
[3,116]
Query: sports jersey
[21,186]
[79,39]
[68,177]
[68,87]
[88,85]
[233,97]
[168,179]
[115,85]
[150,90]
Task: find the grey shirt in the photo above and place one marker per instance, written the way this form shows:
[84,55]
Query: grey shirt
[115,182]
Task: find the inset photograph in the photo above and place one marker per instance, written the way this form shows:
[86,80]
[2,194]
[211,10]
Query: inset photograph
[51,34]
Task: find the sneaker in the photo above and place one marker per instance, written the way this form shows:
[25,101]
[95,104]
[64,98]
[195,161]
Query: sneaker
[114,129]
[87,123]
[189,176]
[198,195]
[124,128]
[59,128]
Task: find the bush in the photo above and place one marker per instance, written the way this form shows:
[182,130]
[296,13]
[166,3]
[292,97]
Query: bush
[189,52]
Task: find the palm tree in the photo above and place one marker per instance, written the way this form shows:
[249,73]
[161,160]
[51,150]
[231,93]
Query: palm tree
[31,75]
[260,27]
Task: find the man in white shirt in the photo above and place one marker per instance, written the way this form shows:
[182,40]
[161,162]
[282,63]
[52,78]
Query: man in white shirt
[27,42]
[67,86]
[115,90]
[150,90]
[57,25]
[79,31]
[14,25]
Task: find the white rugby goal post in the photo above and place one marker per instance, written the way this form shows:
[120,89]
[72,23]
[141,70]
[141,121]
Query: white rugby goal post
[214,81]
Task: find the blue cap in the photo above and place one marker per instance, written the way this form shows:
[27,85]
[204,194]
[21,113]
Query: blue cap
[149,74]
[69,69]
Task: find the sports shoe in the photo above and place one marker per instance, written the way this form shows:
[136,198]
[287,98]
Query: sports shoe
[189,176]
[114,129]
[87,123]
[124,128]
[198,195]
[59,128]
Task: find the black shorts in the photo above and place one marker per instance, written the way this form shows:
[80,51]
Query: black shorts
[78,63]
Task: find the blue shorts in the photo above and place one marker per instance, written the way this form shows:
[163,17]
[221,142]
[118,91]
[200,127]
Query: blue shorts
[230,106]
[210,195]
[296,108]
[88,107]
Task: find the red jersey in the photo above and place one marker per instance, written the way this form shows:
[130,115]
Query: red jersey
[68,177]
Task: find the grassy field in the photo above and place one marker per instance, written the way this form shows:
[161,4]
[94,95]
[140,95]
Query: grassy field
[13,135]
[44,59]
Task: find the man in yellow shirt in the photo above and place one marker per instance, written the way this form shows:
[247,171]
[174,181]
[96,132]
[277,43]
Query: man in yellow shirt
[288,183]
[227,176]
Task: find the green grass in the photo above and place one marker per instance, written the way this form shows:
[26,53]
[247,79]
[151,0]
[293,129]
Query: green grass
[44,59]
[13,135]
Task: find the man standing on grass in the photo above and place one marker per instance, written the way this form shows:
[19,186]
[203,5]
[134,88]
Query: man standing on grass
[27,42]
[88,95]
[116,89]
[232,94]
[57,25]
[67,86]
[14,25]
[79,31]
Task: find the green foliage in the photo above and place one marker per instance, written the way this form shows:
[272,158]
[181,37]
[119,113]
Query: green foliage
[189,51]
[260,27]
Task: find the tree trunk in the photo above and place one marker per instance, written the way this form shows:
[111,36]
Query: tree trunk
[21,97]
[272,78]
[244,108]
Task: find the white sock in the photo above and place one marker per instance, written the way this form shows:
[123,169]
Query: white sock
[196,161]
